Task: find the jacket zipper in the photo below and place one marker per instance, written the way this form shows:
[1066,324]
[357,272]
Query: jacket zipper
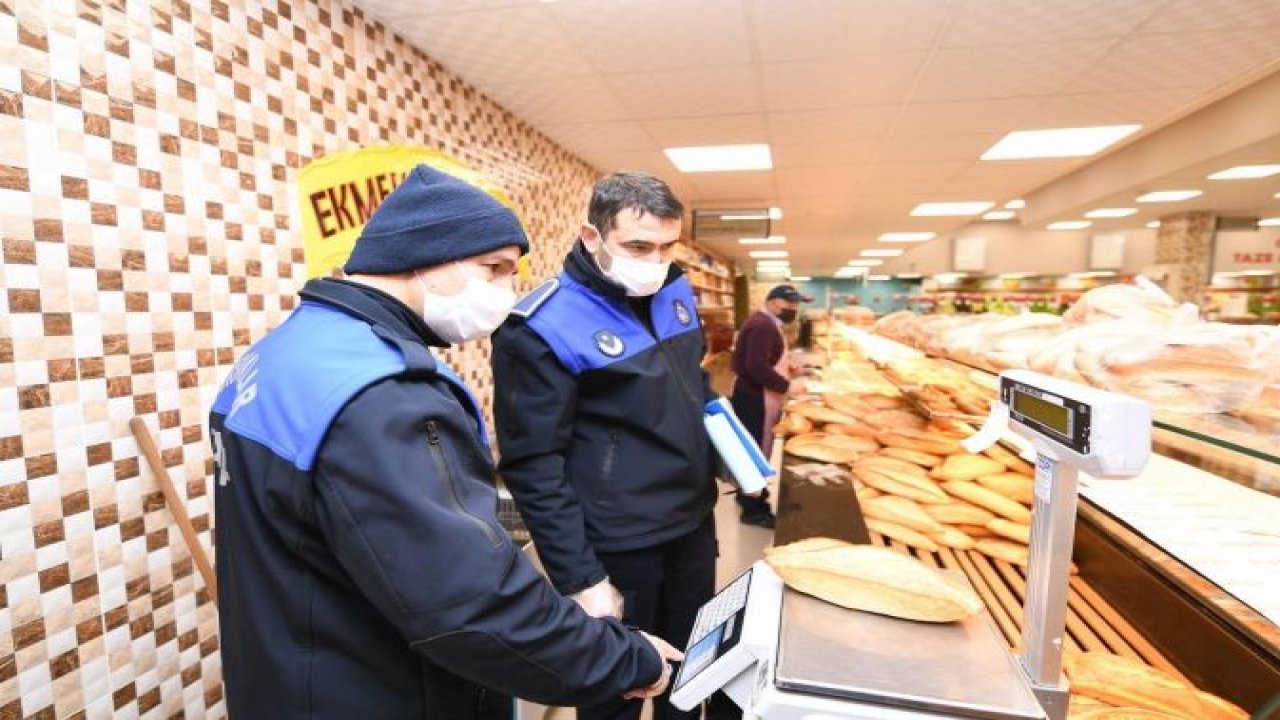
[437,453]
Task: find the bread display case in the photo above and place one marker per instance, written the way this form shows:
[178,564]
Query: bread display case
[1177,569]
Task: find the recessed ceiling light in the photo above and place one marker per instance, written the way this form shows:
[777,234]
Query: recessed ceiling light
[1154,224]
[801,278]
[879,278]
[849,272]
[952,209]
[888,252]
[1057,143]
[909,276]
[773,263]
[1246,172]
[907,237]
[720,158]
[1069,225]
[865,263]
[773,272]
[771,240]
[769,253]
[949,277]
[1278,196]
[1169,195]
[1111,212]
[999,215]
[1015,204]
[775,213]
[1269,222]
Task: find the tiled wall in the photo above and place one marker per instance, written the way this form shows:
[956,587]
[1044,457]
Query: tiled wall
[147,155]
[1185,242]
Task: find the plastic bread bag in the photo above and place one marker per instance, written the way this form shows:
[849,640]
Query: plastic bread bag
[1138,303]
[964,339]
[1057,355]
[1201,368]
[1008,343]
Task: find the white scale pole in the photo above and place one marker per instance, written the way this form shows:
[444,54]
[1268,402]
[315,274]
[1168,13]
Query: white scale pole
[1048,576]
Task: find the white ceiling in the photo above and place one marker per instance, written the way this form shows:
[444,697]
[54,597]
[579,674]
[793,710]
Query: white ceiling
[870,106]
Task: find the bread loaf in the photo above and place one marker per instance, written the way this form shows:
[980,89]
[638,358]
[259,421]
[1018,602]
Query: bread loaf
[1115,713]
[989,499]
[878,580]
[977,532]
[1128,682]
[914,457]
[793,424]
[807,545]
[901,511]
[1012,462]
[854,429]
[1010,530]
[848,404]
[902,534]
[866,493]
[894,465]
[922,440]
[927,490]
[960,513]
[895,420]
[884,402]
[1006,550]
[886,484]
[1011,485]
[953,538]
[963,466]
[1218,709]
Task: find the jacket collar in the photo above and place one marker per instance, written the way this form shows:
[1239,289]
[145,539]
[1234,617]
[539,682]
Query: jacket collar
[372,306]
[582,267]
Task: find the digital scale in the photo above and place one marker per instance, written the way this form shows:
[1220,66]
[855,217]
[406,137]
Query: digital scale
[783,655]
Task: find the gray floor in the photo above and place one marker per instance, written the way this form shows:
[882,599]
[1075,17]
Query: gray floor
[740,545]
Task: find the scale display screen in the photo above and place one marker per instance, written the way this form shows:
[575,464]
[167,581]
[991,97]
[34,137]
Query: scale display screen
[1053,416]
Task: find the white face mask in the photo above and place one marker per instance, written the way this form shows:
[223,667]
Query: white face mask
[638,277]
[471,314]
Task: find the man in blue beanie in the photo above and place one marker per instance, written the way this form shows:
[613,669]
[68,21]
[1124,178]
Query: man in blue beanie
[364,573]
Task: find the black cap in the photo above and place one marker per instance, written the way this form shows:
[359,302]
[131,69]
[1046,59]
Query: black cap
[788,293]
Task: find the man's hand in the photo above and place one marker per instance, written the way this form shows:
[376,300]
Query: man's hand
[659,686]
[600,600]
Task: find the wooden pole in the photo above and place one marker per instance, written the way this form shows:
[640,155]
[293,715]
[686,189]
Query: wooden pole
[148,446]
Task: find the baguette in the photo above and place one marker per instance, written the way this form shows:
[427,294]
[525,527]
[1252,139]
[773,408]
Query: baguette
[1124,681]
[850,405]
[893,466]
[884,402]
[891,486]
[1011,485]
[924,441]
[896,419]
[953,538]
[793,424]
[927,490]
[806,545]
[866,493]
[915,457]
[1010,530]
[901,511]
[879,580]
[989,499]
[821,414]
[902,534]
[854,429]
[1006,550]
[1012,462]
[1102,712]
[1217,708]
[977,532]
[960,513]
[849,442]
[966,467]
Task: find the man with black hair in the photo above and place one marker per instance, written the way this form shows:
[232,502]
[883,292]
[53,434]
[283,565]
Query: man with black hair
[599,398]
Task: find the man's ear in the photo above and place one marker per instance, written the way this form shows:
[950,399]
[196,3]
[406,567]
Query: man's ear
[591,238]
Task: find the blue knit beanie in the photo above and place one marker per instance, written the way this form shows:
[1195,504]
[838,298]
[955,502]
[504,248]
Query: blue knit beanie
[430,219]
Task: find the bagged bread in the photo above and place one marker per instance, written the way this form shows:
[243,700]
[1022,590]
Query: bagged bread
[963,466]
[1121,302]
[901,511]
[960,513]
[989,499]
[1011,485]
[1124,681]
[902,534]
[914,457]
[1010,530]
[879,580]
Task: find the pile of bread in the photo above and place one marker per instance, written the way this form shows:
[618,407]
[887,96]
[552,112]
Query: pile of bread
[1126,338]
[942,390]
[914,481]
[1113,687]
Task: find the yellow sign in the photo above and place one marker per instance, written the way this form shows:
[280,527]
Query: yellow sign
[338,193]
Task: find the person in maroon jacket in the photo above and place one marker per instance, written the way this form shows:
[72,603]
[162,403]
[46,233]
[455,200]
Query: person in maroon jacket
[763,378]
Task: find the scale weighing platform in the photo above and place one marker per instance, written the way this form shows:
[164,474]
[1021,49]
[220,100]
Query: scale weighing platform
[783,655]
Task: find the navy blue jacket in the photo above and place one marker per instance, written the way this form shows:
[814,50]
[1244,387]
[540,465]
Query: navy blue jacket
[599,403]
[361,567]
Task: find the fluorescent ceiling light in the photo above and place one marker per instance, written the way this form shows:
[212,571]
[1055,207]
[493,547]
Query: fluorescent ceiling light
[1278,196]
[909,276]
[775,213]
[1111,212]
[1069,225]
[1095,273]
[769,253]
[879,278]
[949,277]
[1057,143]
[771,240]
[773,263]
[999,215]
[1257,272]
[1269,222]
[1015,204]
[1246,172]
[1169,195]
[800,278]
[952,209]
[1153,224]
[720,158]
[865,263]
[887,252]
[907,236]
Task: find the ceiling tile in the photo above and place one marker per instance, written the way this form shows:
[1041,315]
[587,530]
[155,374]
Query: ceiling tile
[822,153]
[1006,71]
[789,30]
[1203,59]
[936,149]
[983,23]
[584,137]
[559,100]
[917,170]
[717,130]
[836,125]
[688,93]
[629,36]
[837,180]
[1200,15]
[734,187]
[847,82]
